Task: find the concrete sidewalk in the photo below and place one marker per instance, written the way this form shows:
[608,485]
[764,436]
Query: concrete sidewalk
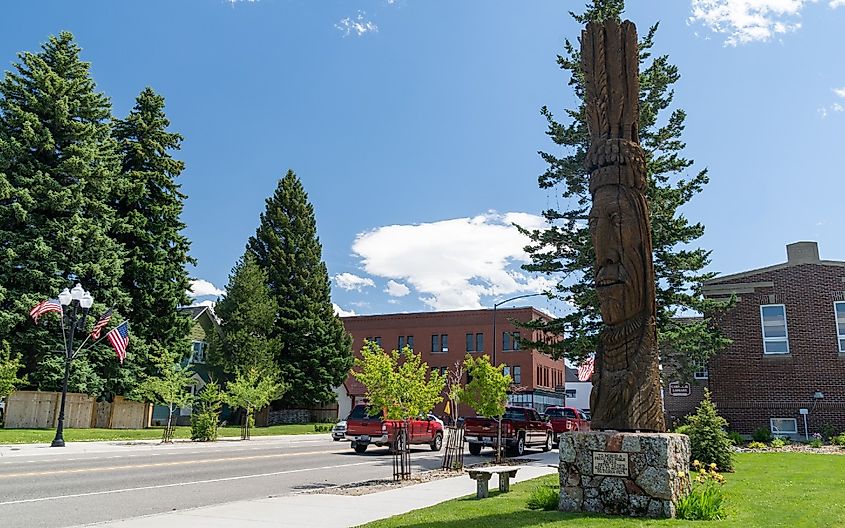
[322,510]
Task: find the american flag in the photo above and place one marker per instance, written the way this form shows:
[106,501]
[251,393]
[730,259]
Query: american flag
[50,305]
[585,371]
[101,323]
[119,339]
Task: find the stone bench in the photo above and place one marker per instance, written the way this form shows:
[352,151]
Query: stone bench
[482,477]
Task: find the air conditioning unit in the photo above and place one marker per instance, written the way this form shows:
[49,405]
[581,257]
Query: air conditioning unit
[445,349]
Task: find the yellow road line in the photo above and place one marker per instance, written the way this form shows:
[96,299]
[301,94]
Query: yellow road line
[158,464]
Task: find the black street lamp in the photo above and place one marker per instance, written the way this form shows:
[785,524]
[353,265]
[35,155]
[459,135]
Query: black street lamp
[495,306]
[72,320]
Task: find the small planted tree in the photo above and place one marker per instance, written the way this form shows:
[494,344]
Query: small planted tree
[253,390]
[709,441]
[399,383]
[454,380]
[205,419]
[168,387]
[487,392]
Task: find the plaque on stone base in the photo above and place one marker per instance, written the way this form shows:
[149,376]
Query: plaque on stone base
[632,474]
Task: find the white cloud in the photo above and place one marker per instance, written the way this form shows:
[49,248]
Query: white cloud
[836,3]
[201,288]
[204,303]
[840,91]
[836,107]
[359,25]
[822,112]
[396,289]
[340,312]
[349,281]
[745,21]
[453,263]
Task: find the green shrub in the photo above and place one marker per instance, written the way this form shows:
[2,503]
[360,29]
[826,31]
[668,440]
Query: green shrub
[838,440]
[705,500]
[323,428]
[816,442]
[709,442]
[777,443]
[757,445]
[735,437]
[544,497]
[682,429]
[828,432]
[204,427]
[762,434]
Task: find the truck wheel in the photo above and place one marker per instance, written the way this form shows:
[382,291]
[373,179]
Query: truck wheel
[474,449]
[548,445]
[437,443]
[359,448]
[519,449]
[556,442]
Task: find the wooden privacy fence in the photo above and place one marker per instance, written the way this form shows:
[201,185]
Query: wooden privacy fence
[40,410]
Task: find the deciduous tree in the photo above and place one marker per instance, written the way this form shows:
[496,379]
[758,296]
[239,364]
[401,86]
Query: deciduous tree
[251,390]
[487,391]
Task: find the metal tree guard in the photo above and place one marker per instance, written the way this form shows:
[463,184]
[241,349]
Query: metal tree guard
[401,451]
[453,459]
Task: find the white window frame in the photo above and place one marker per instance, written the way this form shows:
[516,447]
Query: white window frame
[777,432]
[203,352]
[702,372]
[774,339]
[840,332]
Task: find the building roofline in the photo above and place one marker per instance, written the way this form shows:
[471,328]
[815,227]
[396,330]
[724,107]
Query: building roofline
[444,313]
[758,271]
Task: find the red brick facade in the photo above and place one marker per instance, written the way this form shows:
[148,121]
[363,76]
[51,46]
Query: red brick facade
[750,387]
[539,374]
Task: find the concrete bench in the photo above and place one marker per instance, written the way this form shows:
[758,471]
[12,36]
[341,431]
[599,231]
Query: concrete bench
[482,477]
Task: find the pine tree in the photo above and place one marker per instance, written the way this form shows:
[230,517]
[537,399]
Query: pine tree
[316,350]
[149,204]
[247,313]
[57,172]
[565,249]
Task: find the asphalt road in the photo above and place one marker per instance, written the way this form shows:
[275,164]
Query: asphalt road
[62,489]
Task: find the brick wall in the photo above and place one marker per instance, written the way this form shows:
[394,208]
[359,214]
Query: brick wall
[749,387]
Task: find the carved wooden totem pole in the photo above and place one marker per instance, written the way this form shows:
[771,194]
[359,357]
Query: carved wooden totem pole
[626,380]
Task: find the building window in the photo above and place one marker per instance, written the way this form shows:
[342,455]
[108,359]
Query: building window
[839,308]
[507,371]
[775,335]
[401,342]
[570,393]
[506,341]
[443,370]
[479,342]
[410,342]
[701,372]
[470,342]
[440,343]
[781,426]
[516,345]
[376,340]
[198,351]
[517,375]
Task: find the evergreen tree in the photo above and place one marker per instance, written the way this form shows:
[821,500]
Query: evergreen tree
[247,314]
[565,248]
[316,350]
[149,204]
[58,166]
[709,442]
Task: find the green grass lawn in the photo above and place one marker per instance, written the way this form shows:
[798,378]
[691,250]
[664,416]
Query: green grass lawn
[767,490]
[30,436]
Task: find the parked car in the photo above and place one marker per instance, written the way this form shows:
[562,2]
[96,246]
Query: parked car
[567,419]
[521,428]
[364,428]
[339,431]
[436,419]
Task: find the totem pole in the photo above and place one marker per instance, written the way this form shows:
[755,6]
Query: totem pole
[626,380]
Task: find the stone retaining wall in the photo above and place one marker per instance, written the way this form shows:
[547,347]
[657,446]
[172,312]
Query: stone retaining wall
[632,474]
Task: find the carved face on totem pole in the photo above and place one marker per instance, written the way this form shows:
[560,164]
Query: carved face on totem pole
[617,231]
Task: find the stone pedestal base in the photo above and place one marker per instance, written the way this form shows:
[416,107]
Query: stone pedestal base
[635,474]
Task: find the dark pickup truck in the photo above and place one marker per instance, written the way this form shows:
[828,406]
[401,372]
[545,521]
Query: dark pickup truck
[364,429]
[565,420]
[521,427]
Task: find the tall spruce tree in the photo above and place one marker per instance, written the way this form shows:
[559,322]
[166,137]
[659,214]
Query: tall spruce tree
[149,205]
[565,249]
[58,166]
[247,315]
[316,350]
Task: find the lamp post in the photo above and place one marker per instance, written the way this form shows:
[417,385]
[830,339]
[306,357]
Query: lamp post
[495,306]
[74,299]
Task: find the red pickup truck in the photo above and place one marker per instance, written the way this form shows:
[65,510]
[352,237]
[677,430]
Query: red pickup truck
[521,427]
[566,419]
[363,429]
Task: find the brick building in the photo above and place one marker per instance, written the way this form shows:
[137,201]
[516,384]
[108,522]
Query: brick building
[444,338]
[787,360]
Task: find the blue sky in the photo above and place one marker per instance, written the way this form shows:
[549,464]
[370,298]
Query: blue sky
[414,125]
